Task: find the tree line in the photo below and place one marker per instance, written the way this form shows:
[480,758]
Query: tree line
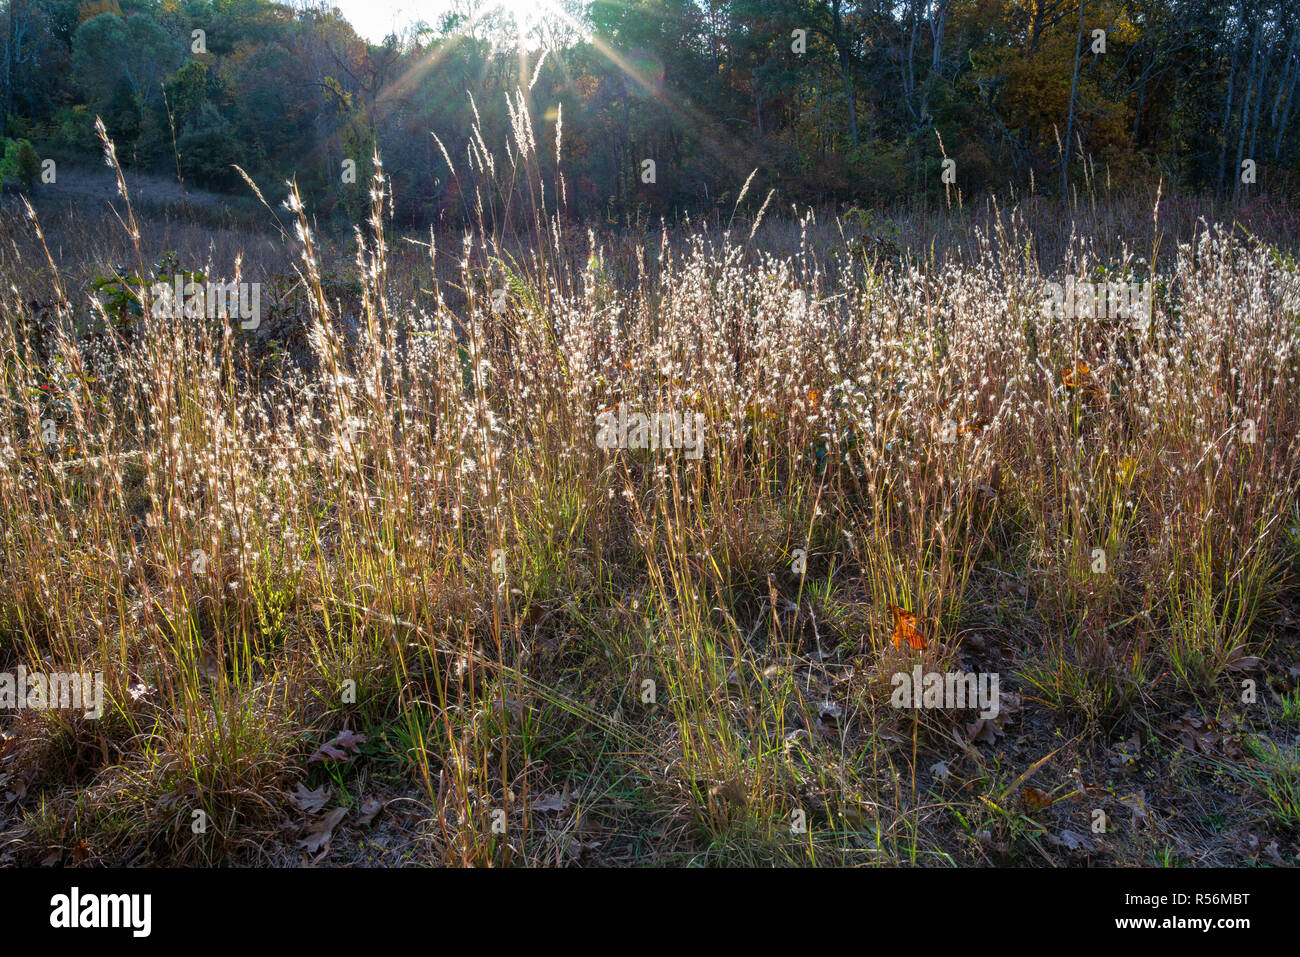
[829,100]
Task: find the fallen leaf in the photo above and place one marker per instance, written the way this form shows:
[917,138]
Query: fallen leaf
[337,749]
[1196,733]
[555,802]
[905,627]
[573,848]
[940,770]
[1081,377]
[349,741]
[310,801]
[323,831]
[370,807]
[327,751]
[1036,798]
[983,730]
[1073,841]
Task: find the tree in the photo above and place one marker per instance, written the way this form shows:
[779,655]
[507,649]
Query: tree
[208,150]
[108,50]
[20,163]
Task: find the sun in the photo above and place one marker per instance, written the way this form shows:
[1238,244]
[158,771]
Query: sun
[375,19]
[530,24]
[527,15]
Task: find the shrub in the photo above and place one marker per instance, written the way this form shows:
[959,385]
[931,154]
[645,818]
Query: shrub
[20,163]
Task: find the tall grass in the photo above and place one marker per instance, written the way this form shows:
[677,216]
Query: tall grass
[412,532]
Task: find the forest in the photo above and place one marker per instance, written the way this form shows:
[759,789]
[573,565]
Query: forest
[831,101]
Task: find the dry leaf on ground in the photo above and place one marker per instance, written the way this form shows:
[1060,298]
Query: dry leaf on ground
[310,801]
[323,831]
[554,802]
[370,807]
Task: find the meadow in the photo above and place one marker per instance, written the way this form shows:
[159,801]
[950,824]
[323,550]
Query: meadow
[364,588]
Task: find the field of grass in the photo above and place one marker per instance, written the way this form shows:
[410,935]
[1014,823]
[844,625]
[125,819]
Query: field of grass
[365,589]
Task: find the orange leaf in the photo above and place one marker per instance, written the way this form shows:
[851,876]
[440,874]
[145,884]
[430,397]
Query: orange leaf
[1082,378]
[905,627]
[1079,375]
[1036,798]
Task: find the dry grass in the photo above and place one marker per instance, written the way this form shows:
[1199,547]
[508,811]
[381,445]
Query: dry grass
[611,647]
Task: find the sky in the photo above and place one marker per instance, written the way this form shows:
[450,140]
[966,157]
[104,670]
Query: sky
[374,19]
